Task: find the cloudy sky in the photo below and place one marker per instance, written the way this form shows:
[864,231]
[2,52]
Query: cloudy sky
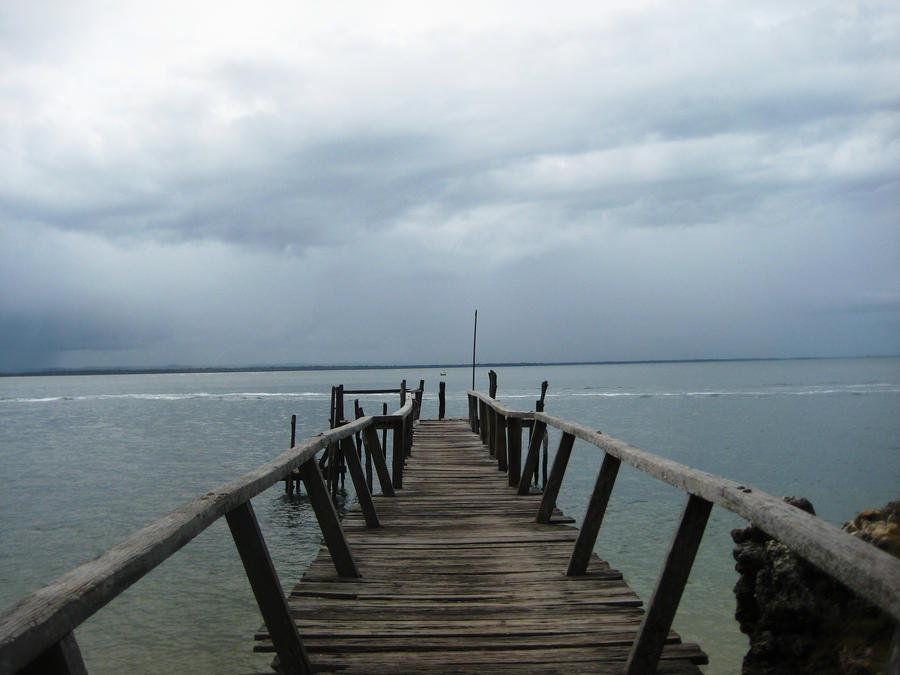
[209,183]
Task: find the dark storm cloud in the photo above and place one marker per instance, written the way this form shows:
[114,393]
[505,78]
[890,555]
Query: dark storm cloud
[244,184]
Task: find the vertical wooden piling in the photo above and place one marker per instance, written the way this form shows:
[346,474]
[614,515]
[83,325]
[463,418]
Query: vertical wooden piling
[514,450]
[442,403]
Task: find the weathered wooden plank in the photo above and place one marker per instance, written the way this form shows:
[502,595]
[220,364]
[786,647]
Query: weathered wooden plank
[590,527]
[554,482]
[872,573]
[267,589]
[43,618]
[669,587]
[328,519]
[370,438]
[514,450]
[62,658]
[364,497]
[461,578]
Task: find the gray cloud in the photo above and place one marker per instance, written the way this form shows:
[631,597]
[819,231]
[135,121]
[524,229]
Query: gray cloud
[663,181]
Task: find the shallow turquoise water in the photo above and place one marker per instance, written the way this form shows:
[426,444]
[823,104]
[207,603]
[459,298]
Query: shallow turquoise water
[86,460]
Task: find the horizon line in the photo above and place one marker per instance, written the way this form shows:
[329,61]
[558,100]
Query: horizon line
[176,369]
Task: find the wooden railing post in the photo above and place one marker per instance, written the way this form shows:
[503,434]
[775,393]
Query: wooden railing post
[329,523]
[554,482]
[62,658]
[419,396]
[366,505]
[364,446]
[370,438]
[398,451]
[500,440]
[514,449]
[483,421]
[402,393]
[410,429]
[384,409]
[531,459]
[657,621]
[593,517]
[264,581]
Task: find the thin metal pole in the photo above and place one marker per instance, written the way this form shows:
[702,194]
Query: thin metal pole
[474,338]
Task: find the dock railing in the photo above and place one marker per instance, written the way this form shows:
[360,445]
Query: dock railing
[36,633]
[873,574]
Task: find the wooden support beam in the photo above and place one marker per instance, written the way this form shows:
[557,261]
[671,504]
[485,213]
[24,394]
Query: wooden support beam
[264,581]
[531,459]
[398,451]
[500,441]
[62,658]
[484,422]
[593,517]
[370,438]
[328,519]
[408,434]
[366,505]
[657,621]
[514,450]
[554,482]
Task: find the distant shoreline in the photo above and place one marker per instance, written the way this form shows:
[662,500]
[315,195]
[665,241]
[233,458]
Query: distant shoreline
[176,370]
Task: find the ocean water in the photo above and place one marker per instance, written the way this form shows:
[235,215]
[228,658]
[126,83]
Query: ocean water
[86,460]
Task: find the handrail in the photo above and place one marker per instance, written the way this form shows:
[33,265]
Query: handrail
[43,621]
[499,407]
[872,573]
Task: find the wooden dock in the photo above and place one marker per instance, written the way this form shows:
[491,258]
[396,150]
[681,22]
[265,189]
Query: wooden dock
[460,577]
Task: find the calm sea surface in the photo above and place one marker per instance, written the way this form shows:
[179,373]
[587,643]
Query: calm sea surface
[86,460]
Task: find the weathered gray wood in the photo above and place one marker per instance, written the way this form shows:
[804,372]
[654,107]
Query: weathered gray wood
[473,413]
[361,444]
[420,392]
[669,586]
[500,441]
[554,482]
[514,450]
[43,618]
[328,519]
[370,438]
[264,581]
[593,517]
[496,405]
[869,571]
[348,449]
[531,459]
[398,452]
[371,391]
[462,579]
[483,421]
[62,658]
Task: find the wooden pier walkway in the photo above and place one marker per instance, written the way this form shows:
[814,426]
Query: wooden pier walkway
[461,578]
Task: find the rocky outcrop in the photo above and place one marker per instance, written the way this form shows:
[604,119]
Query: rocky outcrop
[799,620]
